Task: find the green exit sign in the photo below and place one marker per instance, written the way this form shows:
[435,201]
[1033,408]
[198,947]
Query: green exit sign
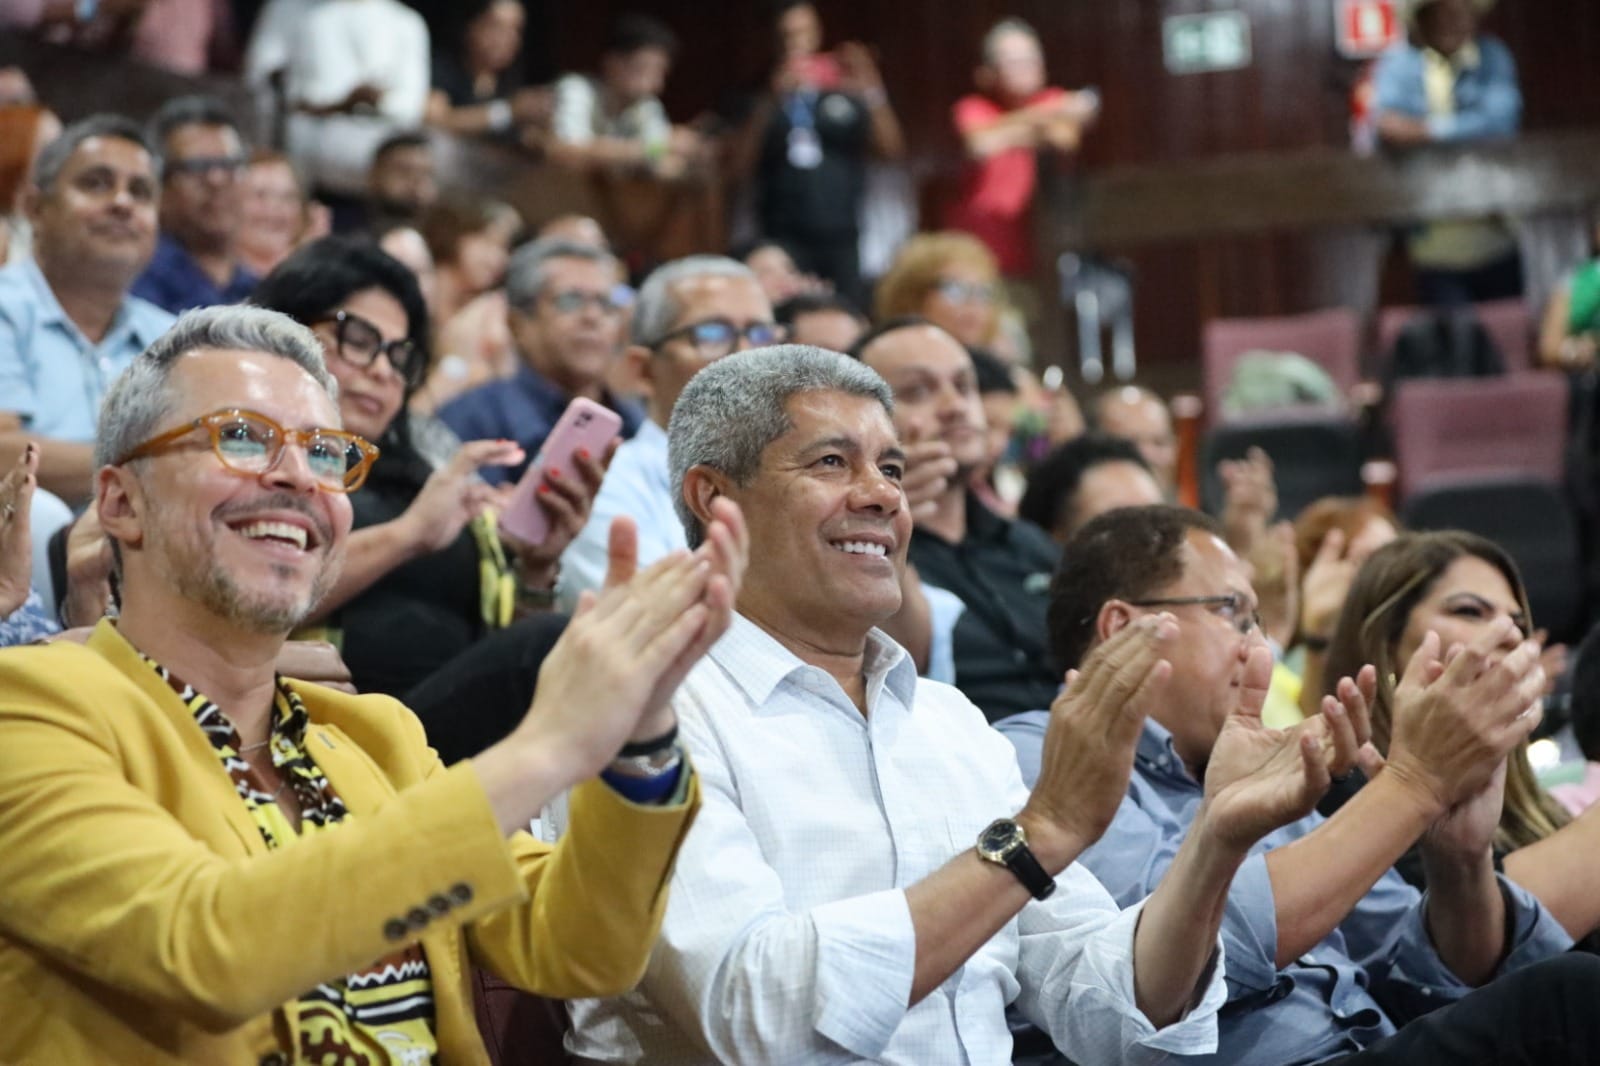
[1194,44]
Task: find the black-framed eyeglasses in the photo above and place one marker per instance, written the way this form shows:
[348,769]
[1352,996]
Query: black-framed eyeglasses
[359,343]
[965,292]
[250,443]
[1229,606]
[205,165]
[574,301]
[714,338]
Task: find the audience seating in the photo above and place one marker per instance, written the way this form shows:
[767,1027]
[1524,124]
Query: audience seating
[1330,338]
[1455,427]
[1528,517]
[1506,321]
[1314,454]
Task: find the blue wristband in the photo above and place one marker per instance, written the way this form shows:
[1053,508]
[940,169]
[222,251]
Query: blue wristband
[644,790]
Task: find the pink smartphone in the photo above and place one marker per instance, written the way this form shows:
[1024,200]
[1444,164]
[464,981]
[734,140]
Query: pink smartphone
[584,425]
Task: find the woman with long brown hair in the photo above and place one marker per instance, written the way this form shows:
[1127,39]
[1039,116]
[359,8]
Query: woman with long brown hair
[1456,584]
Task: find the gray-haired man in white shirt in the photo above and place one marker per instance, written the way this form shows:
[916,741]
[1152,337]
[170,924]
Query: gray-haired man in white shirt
[830,905]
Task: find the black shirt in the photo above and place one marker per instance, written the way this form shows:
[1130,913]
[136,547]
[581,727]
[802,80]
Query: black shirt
[421,614]
[1001,572]
[824,198]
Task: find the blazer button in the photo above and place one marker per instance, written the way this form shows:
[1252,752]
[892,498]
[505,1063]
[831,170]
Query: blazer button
[461,892]
[418,918]
[274,1058]
[440,906]
[395,929]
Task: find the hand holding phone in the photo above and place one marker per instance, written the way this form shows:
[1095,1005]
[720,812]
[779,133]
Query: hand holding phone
[584,425]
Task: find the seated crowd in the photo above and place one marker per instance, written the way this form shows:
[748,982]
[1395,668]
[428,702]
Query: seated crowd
[863,698]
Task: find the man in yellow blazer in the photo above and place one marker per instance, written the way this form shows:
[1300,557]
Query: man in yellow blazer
[206,863]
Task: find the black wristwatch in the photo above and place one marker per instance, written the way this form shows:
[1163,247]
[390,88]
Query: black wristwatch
[1006,844]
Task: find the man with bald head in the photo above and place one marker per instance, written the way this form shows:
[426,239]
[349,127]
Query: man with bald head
[998,568]
[1134,413]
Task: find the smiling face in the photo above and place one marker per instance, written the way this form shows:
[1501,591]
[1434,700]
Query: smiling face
[98,218]
[369,396]
[828,523]
[255,553]
[935,391]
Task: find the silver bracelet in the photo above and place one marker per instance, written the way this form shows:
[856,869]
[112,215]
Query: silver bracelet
[648,766]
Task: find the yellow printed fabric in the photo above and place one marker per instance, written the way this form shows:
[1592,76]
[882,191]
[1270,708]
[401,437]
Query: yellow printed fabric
[381,1015]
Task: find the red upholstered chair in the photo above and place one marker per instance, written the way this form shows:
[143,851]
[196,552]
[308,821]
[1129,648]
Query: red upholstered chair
[1330,338]
[1506,321]
[1450,428]
[519,1029]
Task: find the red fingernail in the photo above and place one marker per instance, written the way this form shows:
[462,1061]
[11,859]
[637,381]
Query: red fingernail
[554,473]
[583,453]
[544,488]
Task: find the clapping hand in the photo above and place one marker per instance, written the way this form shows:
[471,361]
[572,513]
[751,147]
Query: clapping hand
[1259,779]
[1457,717]
[1089,745]
[16,539]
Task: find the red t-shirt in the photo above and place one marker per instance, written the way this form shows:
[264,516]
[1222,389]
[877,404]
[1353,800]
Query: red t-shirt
[996,192]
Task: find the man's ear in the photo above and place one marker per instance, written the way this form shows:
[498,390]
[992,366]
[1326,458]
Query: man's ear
[119,500]
[1113,616]
[32,202]
[701,485]
[636,369]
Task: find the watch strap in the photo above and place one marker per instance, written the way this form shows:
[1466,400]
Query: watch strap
[1021,862]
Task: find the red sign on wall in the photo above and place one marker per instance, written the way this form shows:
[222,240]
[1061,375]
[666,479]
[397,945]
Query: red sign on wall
[1363,28]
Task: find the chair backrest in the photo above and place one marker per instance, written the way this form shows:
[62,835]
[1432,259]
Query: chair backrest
[1506,321]
[1329,338]
[1313,455]
[518,1028]
[1455,427]
[1532,521]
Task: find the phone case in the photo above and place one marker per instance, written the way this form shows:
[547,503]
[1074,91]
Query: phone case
[583,425]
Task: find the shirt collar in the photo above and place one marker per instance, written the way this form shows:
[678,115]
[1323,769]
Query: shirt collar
[757,663]
[1467,57]
[1157,757]
[51,313]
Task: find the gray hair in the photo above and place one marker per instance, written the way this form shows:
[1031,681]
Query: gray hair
[139,401]
[529,267]
[656,309]
[53,157]
[730,411]
[195,110]
[1012,24]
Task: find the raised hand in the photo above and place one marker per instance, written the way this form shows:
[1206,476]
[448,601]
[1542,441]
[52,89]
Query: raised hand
[1456,720]
[726,549]
[568,497]
[1344,726]
[1275,575]
[16,538]
[602,677]
[1257,778]
[1094,729]
[454,494]
[929,470]
[1250,499]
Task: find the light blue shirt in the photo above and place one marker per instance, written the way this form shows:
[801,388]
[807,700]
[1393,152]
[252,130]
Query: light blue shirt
[52,376]
[1324,1004]
[638,485]
[1487,100]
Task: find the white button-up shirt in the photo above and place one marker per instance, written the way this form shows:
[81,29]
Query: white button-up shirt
[788,937]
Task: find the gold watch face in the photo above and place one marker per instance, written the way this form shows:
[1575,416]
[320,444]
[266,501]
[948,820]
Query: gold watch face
[1000,840]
